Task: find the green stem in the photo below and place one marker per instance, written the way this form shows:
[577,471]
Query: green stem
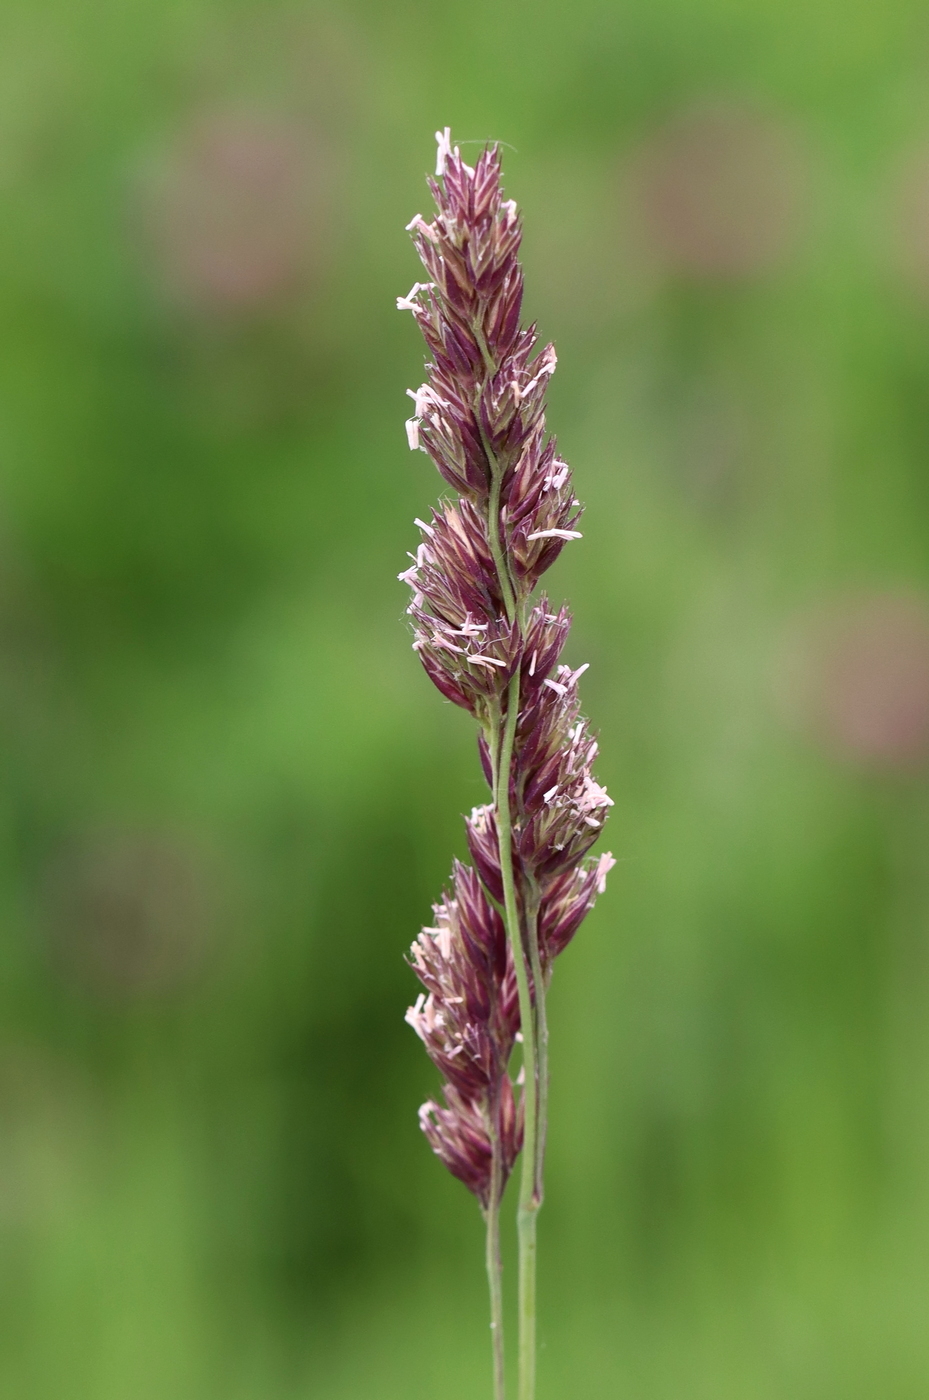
[492,738]
[529,1200]
[541,1030]
[526,1222]
[494,1260]
[496,543]
[525,956]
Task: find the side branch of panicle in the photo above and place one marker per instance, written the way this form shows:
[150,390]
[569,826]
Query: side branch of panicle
[468,1017]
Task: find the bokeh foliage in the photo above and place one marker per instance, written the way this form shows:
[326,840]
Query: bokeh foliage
[229,795]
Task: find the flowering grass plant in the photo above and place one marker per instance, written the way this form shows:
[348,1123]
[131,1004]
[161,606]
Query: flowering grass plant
[492,645]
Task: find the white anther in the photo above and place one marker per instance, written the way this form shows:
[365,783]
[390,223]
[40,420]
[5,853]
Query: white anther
[556,687]
[544,371]
[555,534]
[444,138]
[423,526]
[412,433]
[408,303]
[594,795]
[422,398]
[532,663]
[427,230]
[604,866]
[555,480]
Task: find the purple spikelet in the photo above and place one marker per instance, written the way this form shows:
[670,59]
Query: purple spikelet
[483,640]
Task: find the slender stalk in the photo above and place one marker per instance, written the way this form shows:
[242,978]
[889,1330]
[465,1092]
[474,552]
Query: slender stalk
[496,544]
[526,1221]
[527,964]
[495,1263]
[492,737]
[528,1199]
[541,1028]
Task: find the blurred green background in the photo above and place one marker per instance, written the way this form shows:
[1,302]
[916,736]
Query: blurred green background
[229,794]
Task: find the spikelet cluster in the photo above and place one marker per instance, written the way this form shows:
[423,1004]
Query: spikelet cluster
[478,623]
